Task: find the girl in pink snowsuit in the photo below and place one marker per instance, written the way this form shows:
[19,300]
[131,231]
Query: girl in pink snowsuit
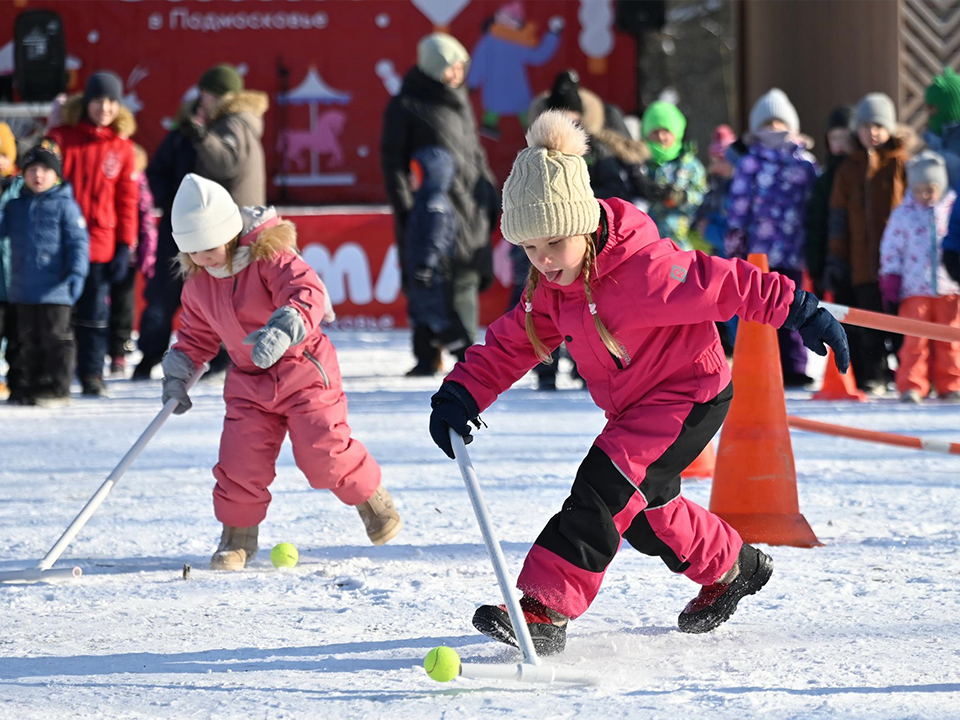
[637,315]
[248,288]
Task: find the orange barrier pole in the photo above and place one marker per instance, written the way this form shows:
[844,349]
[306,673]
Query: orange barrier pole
[874,436]
[892,323]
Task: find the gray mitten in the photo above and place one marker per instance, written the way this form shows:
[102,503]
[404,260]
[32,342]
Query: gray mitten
[284,328]
[177,371]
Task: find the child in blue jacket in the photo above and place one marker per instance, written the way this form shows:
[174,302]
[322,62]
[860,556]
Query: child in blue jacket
[432,230]
[49,258]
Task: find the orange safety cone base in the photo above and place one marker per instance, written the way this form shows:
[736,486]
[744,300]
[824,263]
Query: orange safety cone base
[837,386]
[755,482]
[792,530]
[703,466]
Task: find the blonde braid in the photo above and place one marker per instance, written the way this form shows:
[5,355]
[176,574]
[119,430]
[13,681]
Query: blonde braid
[608,340]
[533,277]
[615,348]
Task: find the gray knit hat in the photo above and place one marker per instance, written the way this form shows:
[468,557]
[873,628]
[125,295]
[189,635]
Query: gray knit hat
[437,52]
[548,192]
[774,105]
[877,108]
[927,168]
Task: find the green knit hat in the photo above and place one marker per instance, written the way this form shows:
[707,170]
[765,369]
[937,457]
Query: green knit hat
[667,116]
[220,80]
[663,115]
[944,94]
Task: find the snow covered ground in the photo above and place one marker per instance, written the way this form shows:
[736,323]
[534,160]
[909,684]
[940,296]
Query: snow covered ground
[866,627]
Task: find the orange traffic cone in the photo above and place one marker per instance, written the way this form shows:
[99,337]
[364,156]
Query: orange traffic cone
[755,482]
[703,466]
[837,386]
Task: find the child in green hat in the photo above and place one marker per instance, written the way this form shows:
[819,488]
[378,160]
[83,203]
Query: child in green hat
[679,180]
[943,125]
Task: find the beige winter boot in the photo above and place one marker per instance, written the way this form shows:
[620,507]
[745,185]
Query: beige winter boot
[380,517]
[238,546]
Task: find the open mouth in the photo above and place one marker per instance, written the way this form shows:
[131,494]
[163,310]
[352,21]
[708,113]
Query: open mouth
[553,276]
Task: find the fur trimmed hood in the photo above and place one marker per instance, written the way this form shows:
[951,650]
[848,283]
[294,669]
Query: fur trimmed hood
[249,101]
[254,102]
[73,112]
[592,120]
[266,234]
[625,149]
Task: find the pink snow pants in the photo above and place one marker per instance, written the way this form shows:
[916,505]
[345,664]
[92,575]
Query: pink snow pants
[628,487]
[295,397]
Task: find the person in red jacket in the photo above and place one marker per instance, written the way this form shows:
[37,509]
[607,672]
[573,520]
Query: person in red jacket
[637,315]
[98,160]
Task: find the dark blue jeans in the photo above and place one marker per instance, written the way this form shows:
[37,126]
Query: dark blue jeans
[91,319]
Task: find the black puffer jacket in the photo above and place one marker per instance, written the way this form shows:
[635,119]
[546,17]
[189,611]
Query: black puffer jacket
[425,113]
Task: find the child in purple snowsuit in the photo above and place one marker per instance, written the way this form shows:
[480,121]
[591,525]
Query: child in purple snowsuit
[768,202]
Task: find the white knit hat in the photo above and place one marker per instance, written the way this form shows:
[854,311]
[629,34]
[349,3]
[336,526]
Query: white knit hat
[204,215]
[774,105]
[548,192]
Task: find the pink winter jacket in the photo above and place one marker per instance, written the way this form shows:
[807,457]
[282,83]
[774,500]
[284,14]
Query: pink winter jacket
[228,309]
[659,302]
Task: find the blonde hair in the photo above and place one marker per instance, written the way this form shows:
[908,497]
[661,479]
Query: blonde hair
[533,279]
[140,158]
[189,268]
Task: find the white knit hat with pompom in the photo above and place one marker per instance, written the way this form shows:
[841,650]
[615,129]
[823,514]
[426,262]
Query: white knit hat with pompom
[548,192]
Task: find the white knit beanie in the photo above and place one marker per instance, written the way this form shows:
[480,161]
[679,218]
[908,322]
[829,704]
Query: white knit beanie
[548,192]
[204,215]
[774,105]
[438,51]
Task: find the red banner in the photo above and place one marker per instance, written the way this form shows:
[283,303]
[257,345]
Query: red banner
[330,68]
[355,256]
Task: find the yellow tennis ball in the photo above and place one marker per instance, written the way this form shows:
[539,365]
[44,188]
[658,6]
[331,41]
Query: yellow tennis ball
[284,555]
[442,664]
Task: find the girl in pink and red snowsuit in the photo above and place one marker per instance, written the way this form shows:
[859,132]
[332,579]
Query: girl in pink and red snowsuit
[637,315]
[248,288]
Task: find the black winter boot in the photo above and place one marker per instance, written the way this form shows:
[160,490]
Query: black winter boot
[716,603]
[548,629]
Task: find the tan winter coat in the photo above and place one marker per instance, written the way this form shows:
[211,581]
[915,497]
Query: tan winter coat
[229,147]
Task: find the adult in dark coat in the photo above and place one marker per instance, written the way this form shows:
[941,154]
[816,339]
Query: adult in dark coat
[433,109]
[218,136]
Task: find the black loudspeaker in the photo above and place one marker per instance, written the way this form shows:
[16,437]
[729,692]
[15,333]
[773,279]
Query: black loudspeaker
[638,16]
[39,55]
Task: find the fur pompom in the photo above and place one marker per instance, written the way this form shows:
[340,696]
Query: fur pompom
[554,130]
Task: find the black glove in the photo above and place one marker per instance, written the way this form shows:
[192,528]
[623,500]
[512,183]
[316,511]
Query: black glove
[656,193]
[120,265]
[951,261]
[836,275]
[423,276]
[817,326]
[453,407]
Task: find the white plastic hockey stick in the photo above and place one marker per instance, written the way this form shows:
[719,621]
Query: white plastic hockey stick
[44,569]
[531,669]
